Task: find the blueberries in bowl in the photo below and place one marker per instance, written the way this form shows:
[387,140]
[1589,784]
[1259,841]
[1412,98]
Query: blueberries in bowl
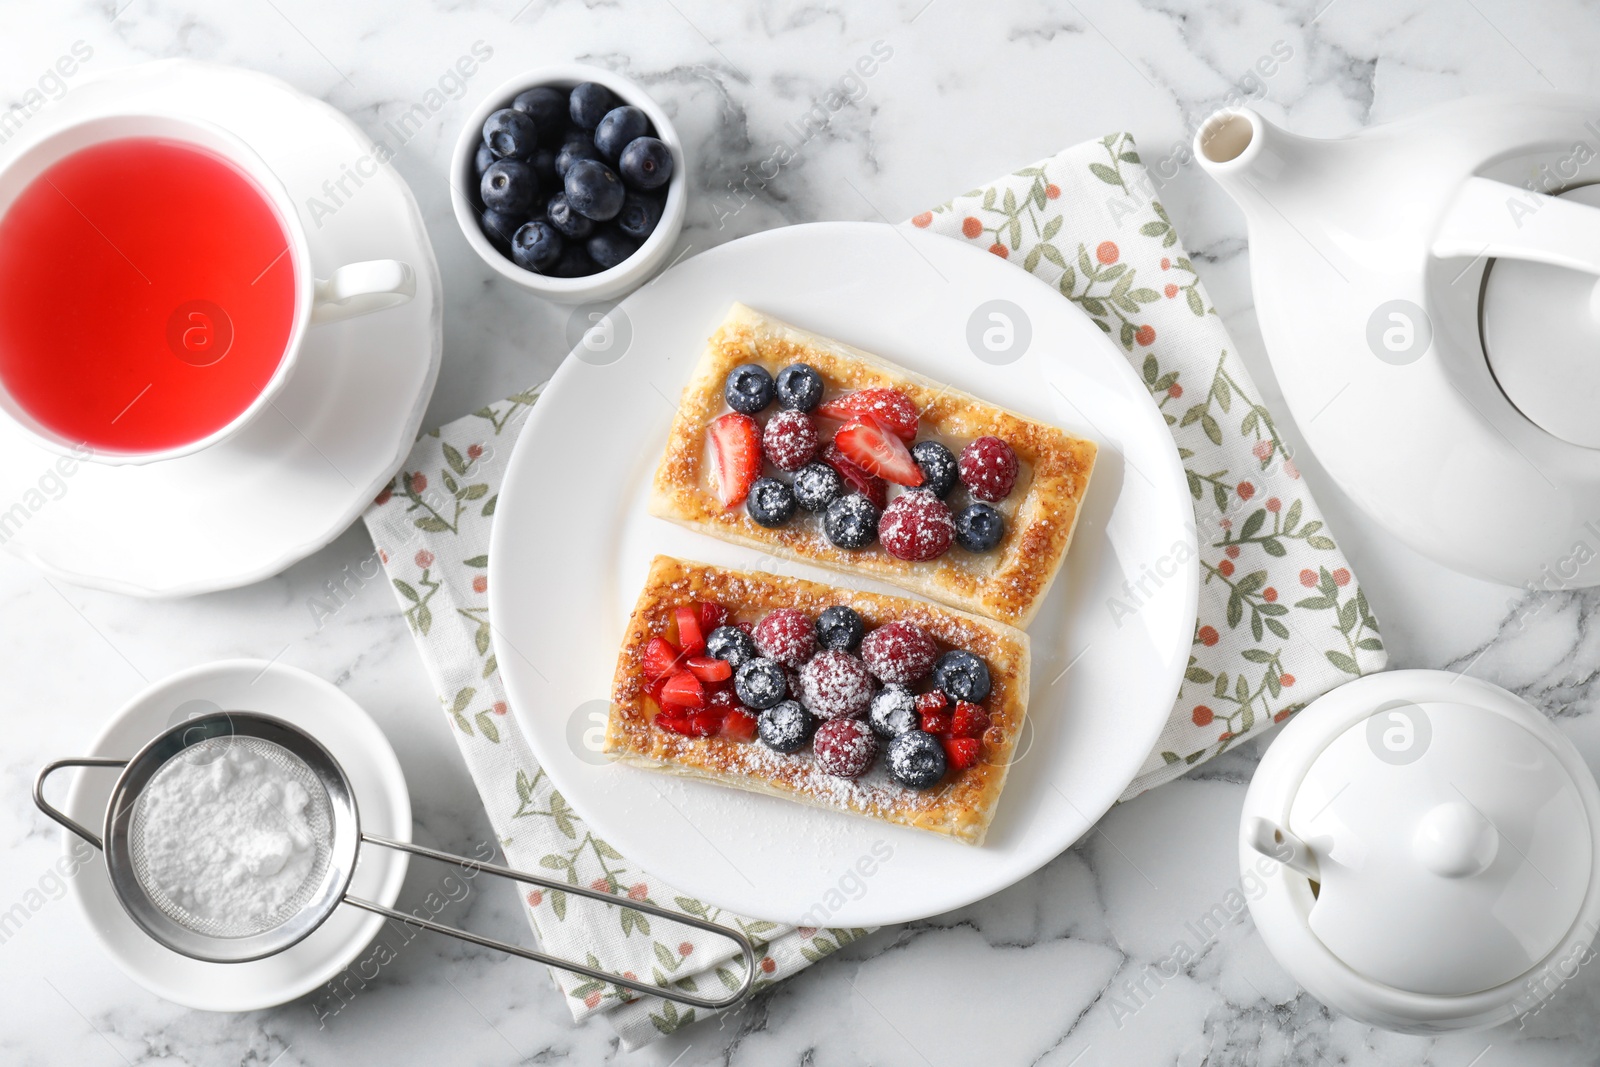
[570,182]
[621,126]
[594,190]
[510,134]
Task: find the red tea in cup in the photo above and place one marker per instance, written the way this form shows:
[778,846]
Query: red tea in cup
[147,295]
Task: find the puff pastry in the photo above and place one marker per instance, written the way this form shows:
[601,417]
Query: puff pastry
[961,806]
[1007,583]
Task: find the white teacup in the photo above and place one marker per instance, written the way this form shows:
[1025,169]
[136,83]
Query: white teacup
[351,290]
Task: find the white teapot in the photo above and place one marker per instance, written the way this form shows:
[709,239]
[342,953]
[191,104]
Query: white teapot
[1428,293]
[1424,846]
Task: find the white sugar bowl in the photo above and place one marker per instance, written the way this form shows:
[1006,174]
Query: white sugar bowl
[1425,847]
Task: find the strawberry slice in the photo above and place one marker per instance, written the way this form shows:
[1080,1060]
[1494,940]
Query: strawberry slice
[683,690]
[739,725]
[961,752]
[661,658]
[968,720]
[868,485]
[890,406]
[704,723]
[870,444]
[653,689]
[690,637]
[735,455]
[709,669]
[935,721]
[673,720]
[712,615]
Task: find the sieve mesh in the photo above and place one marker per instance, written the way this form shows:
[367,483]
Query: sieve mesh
[214,776]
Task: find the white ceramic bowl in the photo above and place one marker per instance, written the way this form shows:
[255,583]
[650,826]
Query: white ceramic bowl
[607,284]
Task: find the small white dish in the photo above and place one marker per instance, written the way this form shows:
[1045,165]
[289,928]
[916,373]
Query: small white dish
[607,284]
[347,732]
[560,591]
[295,476]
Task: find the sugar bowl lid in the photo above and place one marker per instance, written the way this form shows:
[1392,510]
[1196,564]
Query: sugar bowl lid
[1447,831]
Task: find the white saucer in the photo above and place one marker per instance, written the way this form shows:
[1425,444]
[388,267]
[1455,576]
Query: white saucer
[292,480]
[1103,685]
[362,750]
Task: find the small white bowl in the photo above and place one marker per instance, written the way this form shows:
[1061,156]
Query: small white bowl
[606,284]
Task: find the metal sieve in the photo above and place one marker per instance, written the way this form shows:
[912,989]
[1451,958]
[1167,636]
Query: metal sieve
[334,823]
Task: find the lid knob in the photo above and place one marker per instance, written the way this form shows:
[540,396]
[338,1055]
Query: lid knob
[1455,840]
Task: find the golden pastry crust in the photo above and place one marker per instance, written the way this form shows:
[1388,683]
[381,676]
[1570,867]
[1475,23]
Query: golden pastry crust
[1007,583]
[961,806]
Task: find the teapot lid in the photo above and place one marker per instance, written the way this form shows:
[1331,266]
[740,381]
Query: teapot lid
[1452,844]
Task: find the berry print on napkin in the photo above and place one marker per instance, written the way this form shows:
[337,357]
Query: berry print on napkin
[1281,618]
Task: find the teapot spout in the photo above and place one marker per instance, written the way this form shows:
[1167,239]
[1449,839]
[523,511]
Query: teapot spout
[1254,160]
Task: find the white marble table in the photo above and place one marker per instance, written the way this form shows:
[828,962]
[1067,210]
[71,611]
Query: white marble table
[1034,975]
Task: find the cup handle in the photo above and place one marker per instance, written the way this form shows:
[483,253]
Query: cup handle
[361,288]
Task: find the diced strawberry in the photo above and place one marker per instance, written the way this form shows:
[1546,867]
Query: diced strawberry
[749,628]
[683,690]
[709,669]
[736,456]
[661,658]
[739,725]
[936,721]
[705,723]
[961,752]
[653,688]
[712,615]
[892,407]
[868,485]
[723,699]
[673,720]
[968,720]
[870,444]
[690,637]
[932,700]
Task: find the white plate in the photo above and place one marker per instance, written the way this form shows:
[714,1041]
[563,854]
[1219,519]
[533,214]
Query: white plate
[572,541]
[346,731]
[295,477]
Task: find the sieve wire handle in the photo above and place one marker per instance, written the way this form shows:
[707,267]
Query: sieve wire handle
[554,961]
[61,816]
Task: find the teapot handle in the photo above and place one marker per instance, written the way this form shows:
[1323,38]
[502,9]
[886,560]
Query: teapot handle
[1498,220]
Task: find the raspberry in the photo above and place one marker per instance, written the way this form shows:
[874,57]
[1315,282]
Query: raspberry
[968,720]
[845,748]
[988,469]
[899,652]
[916,526]
[790,440]
[787,636]
[835,685]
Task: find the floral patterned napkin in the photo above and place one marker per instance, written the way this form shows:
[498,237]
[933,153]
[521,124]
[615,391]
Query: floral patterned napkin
[1281,619]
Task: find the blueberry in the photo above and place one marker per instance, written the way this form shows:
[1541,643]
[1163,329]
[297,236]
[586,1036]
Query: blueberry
[731,645]
[620,126]
[611,246]
[547,107]
[979,527]
[940,470]
[639,215]
[962,676]
[537,247]
[575,263]
[916,760]
[851,521]
[573,149]
[748,389]
[544,168]
[481,160]
[593,190]
[840,628]
[760,683]
[799,387]
[816,485]
[567,221]
[509,186]
[893,711]
[646,163]
[786,727]
[500,227]
[770,503]
[510,134]
[589,103]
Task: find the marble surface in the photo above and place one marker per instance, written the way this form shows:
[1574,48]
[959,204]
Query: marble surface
[1032,975]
